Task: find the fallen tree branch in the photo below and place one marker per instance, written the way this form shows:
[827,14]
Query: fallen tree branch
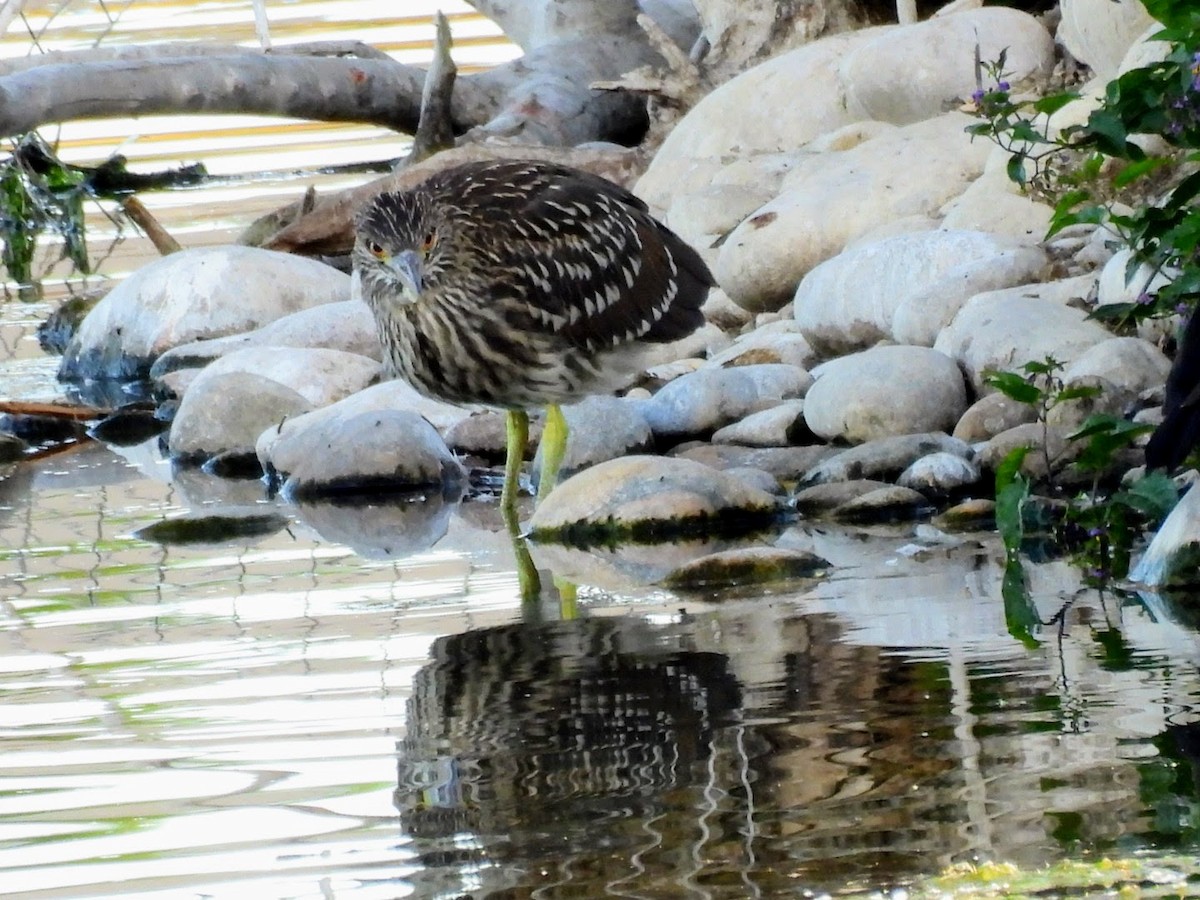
[328,89]
[53,410]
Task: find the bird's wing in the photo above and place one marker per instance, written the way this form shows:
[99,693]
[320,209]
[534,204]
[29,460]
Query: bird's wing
[595,269]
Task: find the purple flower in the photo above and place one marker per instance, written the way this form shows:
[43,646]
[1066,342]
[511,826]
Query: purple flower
[977,96]
[1002,86]
[1144,299]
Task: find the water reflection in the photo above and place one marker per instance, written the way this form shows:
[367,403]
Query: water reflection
[622,756]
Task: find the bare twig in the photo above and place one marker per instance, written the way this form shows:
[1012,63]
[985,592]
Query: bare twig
[144,219]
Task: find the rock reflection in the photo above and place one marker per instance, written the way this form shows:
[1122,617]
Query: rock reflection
[381,528]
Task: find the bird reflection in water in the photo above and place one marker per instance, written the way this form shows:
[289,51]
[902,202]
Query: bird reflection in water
[581,744]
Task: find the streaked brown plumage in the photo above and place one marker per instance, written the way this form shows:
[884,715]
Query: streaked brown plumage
[522,284]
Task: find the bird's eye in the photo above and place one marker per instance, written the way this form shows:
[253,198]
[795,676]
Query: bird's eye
[429,241]
[374,248]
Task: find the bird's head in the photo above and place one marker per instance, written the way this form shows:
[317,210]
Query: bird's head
[397,248]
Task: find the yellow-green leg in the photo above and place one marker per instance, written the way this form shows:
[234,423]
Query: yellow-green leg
[554,448]
[517,431]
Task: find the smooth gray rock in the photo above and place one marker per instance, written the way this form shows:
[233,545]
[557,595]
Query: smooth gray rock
[485,434]
[940,474]
[779,426]
[785,463]
[906,287]
[820,499]
[780,344]
[937,55]
[227,412]
[345,325]
[884,458]
[1039,438]
[353,447]
[1108,399]
[759,478]
[398,394]
[647,497]
[189,295]
[885,391]
[600,428]
[915,170]
[1003,330]
[707,399]
[320,376]
[1130,363]
[990,415]
[890,504]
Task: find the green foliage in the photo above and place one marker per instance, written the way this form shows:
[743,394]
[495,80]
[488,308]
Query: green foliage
[33,203]
[1099,527]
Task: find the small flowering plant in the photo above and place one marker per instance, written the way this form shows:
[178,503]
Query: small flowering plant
[1099,171]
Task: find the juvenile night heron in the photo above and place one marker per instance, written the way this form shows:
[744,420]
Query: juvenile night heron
[519,285]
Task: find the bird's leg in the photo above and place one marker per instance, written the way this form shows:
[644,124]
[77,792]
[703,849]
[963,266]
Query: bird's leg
[554,447]
[517,428]
[516,423]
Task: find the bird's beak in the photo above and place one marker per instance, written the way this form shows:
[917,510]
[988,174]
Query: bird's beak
[408,267]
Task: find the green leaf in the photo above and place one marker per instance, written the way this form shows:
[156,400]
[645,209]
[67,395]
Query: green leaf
[1132,171]
[1154,495]
[1014,386]
[1054,102]
[1012,490]
[1077,392]
[1020,613]
[1016,169]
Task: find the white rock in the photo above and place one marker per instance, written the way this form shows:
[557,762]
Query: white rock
[228,412]
[995,203]
[1100,32]
[908,74]
[914,171]
[1003,330]
[656,491]
[719,310]
[599,428]
[700,216]
[320,376]
[344,325]
[885,391]
[905,287]
[940,473]
[883,458]
[708,399]
[1123,281]
[194,294]
[767,345]
[394,394]
[776,106]
[1130,363]
[353,446]
[772,427]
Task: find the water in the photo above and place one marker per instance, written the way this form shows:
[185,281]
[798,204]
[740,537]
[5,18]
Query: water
[354,702]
